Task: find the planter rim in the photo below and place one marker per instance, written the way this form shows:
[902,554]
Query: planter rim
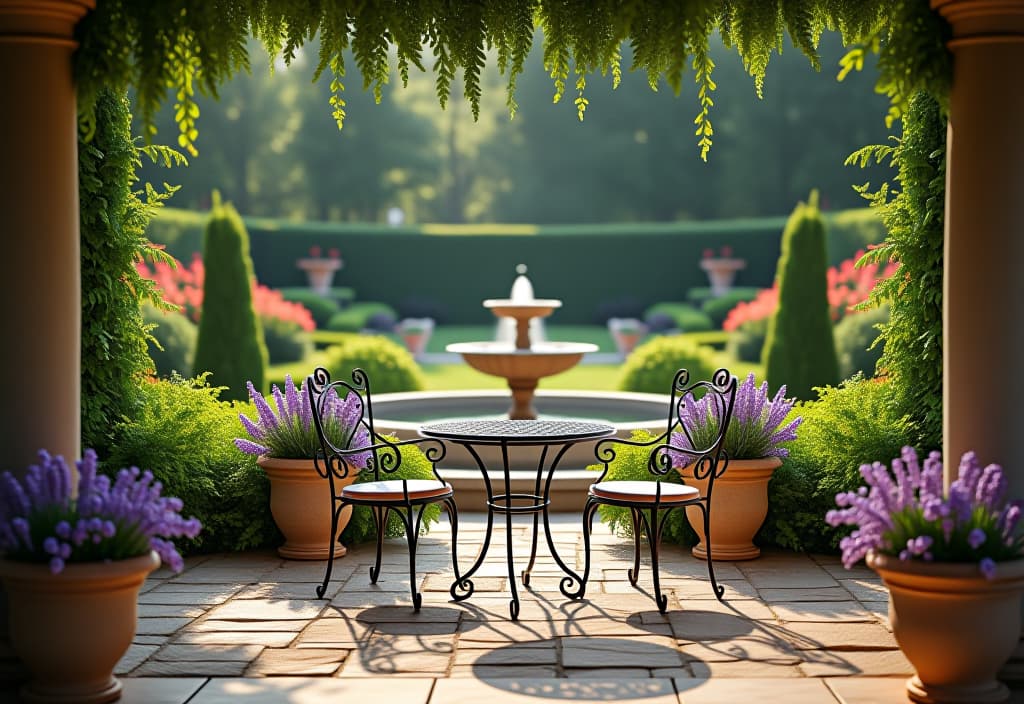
[1006,570]
[74,571]
[744,467]
[284,462]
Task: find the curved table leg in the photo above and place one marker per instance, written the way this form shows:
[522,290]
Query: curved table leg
[464,583]
[536,518]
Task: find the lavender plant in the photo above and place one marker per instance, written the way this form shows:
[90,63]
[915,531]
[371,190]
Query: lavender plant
[755,431]
[41,522]
[903,512]
[290,433]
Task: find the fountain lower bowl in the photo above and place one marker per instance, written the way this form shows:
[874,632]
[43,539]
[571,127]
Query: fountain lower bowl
[402,414]
[504,360]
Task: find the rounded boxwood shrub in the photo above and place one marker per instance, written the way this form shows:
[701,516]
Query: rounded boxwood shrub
[652,365]
[718,308]
[747,341]
[321,308]
[286,340]
[854,334]
[388,364]
[685,317]
[357,316]
[176,335]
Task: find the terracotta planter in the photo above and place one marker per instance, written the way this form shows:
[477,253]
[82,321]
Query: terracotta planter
[71,629]
[955,627]
[300,502]
[739,505]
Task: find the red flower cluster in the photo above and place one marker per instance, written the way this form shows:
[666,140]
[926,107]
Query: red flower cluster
[183,286]
[847,287]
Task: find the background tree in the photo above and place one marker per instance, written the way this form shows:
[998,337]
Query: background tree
[799,350]
[230,344]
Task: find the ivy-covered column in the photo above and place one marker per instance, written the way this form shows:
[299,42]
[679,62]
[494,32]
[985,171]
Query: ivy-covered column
[40,314]
[983,325]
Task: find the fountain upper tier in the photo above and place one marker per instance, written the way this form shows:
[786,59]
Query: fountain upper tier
[522,311]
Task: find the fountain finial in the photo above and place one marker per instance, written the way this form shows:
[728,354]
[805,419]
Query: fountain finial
[520,269]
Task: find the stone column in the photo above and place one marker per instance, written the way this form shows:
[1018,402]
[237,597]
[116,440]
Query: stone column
[40,318]
[983,318]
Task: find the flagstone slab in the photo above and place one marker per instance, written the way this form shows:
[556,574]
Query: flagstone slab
[707,625]
[700,590]
[313,690]
[149,640]
[172,597]
[868,690]
[267,609]
[822,611]
[608,673]
[743,669]
[744,608]
[402,613]
[443,583]
[246,574]
[335,633]
[207,653]
[866,589]
[498,632]
[759,648]
[163,626]
[159,690]
[772,595]
[375,664]
[791,690]
[601,626]
[789,578]
[133,657]
[189,668]
[160,610]
[484,672]
[270,639]
[841,637]
[647,651]
[311,571]
[298,662]
[289,591]
[507,655]
[534,690]
[212,624]
[855,663]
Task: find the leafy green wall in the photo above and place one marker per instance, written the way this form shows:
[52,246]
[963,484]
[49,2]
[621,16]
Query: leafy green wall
[450,270]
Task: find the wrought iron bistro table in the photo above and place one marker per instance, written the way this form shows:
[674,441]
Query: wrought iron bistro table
[554,438]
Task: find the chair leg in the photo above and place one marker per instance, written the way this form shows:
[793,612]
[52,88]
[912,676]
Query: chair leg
[588,518]
[717,588]
[412,537]
[453,519]
[653,528]
[380,519]
[634,574]
[335,516]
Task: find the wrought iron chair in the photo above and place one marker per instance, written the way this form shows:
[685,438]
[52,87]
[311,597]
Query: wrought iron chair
[646,499]
[380,456]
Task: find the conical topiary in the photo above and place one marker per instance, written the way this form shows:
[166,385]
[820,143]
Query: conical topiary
[230,344]
[799,350]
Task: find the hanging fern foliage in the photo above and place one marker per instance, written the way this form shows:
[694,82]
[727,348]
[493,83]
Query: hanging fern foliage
[181,48]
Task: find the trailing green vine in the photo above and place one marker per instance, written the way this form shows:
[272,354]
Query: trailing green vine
[195,45]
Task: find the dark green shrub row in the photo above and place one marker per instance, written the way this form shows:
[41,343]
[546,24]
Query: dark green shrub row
[322,309]
[360,316]
[388,364]
[176,334]
[611,264]
[718,308]
[747,341]
[685,317]
[286,341]
[651,366]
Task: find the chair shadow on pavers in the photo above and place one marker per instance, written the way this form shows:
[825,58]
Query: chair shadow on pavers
[360,450]
[651,502]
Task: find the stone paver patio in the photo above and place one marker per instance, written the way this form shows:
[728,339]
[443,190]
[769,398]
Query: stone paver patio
[794,628]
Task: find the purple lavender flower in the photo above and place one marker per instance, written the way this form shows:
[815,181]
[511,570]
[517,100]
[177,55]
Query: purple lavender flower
[107,520]
[987,567]
[976,538]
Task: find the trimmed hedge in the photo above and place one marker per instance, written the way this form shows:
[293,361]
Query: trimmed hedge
[176,335]
[854,335]
[652,366]
[360,316]
[684,316]
[454,268]
[718,308]
[322,309]
[286,341]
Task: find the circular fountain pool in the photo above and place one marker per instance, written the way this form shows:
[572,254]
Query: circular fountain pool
[402,414]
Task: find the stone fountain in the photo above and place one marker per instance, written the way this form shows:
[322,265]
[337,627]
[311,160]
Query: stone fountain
[525,361]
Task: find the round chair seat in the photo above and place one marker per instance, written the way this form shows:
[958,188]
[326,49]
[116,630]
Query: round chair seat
[391,490]
[643,492]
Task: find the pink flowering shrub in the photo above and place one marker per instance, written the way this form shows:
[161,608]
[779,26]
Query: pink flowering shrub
[847,286]
[183,286]
[108,520]
[904,512]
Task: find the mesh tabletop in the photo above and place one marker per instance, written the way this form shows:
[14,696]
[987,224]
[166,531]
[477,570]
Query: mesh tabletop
[517,431]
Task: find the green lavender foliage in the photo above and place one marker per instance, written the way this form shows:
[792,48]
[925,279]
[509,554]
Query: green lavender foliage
[196,45]
[914,217]
[113,222]
[859,421]
[230,344]
[799,350]
[184,434]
